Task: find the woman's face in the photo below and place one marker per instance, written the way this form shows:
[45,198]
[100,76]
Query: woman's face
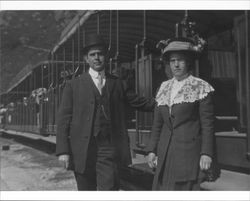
[179,64]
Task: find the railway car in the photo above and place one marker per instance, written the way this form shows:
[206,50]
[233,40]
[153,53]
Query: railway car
[33,97]
[132,36]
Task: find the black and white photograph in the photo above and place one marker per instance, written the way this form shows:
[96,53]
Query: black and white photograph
[125,99]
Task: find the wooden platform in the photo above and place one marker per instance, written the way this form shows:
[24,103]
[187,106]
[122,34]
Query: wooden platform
[139,176]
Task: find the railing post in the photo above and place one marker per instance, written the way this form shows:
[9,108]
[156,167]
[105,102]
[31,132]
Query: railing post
[137,90]
[247,83]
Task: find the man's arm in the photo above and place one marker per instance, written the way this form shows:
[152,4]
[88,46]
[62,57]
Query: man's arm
[138,102]
[64,120]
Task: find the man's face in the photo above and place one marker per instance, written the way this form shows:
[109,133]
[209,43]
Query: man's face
[95,58]
[179,64]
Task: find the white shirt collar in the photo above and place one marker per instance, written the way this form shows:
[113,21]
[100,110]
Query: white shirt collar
[94,73]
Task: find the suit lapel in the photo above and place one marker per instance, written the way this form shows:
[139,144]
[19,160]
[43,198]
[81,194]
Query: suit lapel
[110,83]
[86,86]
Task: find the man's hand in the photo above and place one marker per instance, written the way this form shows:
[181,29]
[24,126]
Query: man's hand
[65,159]
[205,162]
[152,160]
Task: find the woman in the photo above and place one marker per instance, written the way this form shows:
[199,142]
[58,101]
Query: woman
[182,135]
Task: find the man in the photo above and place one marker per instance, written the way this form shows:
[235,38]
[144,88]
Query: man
[91,133]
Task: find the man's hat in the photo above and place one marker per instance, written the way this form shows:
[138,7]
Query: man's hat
[94,40]
[180,45]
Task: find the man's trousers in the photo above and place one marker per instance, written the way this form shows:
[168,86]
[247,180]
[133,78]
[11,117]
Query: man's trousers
[101,169]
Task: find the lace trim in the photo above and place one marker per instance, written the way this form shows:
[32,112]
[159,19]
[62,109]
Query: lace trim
[193,89]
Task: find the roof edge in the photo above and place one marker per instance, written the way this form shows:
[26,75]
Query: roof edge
[79,20]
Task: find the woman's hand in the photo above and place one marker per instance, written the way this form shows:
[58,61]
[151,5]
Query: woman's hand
[152,160]
[205,162]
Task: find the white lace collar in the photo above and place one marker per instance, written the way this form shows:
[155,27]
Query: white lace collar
[192,90]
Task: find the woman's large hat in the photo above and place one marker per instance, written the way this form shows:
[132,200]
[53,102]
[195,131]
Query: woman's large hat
[94,40]
[181,45]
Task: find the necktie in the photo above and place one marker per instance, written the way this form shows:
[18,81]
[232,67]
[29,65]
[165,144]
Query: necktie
[100,82]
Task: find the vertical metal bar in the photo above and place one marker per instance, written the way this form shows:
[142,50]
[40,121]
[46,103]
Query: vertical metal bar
[98,22]
[30,104]
[142,45]
[24,108]
[177,30]
[247,83]
[117,41]
[53,92]
[48,103]
[117,32]
[110,65]
[42,75]
[83,44]
[110,41]
[33,112]
[21,105]
[144,60]
[78,42]
[64,61]
[137,90]
[56,90]
[17,108]
[35,103]
[49,75]
[41,106]
[45,103]
[73,55]
[27,106]
[53,70]
[240,87]
[186,14]
[34,79]
[144,25]
[110,30]
[58,72]
[54,59]
[22,86]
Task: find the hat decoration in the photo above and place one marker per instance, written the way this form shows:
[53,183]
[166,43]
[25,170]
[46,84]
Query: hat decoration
[186,39]
[196,45]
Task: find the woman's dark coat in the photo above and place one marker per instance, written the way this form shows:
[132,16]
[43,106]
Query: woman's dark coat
[180,138]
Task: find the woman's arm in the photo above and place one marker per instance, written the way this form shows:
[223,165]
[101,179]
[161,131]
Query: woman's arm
[156,131]
[207,119]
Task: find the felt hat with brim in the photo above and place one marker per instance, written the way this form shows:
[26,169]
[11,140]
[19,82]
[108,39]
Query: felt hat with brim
[180,45]
[94,40]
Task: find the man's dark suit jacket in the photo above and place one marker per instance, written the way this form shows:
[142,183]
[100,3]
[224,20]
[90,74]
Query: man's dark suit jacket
[76,113]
